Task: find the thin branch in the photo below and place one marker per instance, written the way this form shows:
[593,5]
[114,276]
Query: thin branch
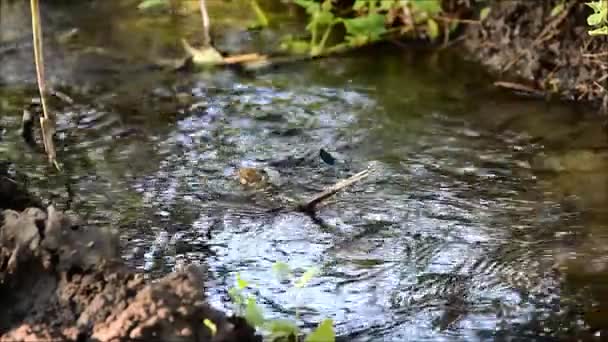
[309,205]
[206,23]
[47,123]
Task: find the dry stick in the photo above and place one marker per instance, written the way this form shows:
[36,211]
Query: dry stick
[47,123]
[206,24]
[309,205]
[518,87]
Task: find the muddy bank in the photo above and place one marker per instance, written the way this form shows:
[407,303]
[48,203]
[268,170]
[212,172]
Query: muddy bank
[60,280]
[547,55]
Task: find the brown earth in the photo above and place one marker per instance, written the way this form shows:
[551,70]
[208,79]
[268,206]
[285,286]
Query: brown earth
[62,281]
[541,54]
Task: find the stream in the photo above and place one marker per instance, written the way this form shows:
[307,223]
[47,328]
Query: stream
[484,217]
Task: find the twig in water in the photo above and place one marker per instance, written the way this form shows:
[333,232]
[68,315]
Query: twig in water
[309,205]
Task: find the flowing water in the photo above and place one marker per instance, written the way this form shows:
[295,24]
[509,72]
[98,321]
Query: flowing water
[483,218]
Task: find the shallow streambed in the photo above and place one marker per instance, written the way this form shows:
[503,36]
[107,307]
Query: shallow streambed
[484,217]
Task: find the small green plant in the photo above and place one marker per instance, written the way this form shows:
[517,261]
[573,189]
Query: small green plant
[364,22]
[599,19]
[278,330]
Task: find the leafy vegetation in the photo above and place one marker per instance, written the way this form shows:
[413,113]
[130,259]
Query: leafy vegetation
[365,22]
[278,330]
[598,20]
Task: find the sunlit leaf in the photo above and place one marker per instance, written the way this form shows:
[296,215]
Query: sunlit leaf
[360,4]
[240,282]
[370,26]
[559,8]
[298,47]
[595,5]
[600,31]
[483,14]
[432,29]
[386,5]
[595,19]
[323,333]
[211,326]
[253,313]
[306,277]
[324,18]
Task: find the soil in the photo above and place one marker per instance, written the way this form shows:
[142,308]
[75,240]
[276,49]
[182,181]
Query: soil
[537,53]
[63,281]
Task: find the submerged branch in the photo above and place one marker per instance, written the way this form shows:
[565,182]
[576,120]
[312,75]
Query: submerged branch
[310,205]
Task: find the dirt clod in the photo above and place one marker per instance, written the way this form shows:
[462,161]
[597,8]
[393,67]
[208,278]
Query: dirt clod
[63,281]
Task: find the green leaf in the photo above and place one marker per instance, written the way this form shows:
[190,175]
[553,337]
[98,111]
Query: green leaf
[211,326]
[149,4]
[282,328]
[600,31]
[306,277]
[326,6]
[324,18]
[432,29]
[241,283]
[236,296]
[360,4]
[430,7]
[310,6]
[281,270]
[323,333]
[386,5]
[253,313]
[595,5]
[370,26]
[484,13]
[557,9]
[595,19]
[298,47]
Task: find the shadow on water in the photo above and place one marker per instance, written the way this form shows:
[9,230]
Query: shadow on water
[485,217]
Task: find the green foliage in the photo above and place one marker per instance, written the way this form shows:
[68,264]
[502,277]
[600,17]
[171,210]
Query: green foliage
[599,19]
[365,22]
[277,330]
[483,14]
[324,333]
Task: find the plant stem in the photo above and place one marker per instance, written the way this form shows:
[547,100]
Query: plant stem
[46,121]
[313,31]
[324,38]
